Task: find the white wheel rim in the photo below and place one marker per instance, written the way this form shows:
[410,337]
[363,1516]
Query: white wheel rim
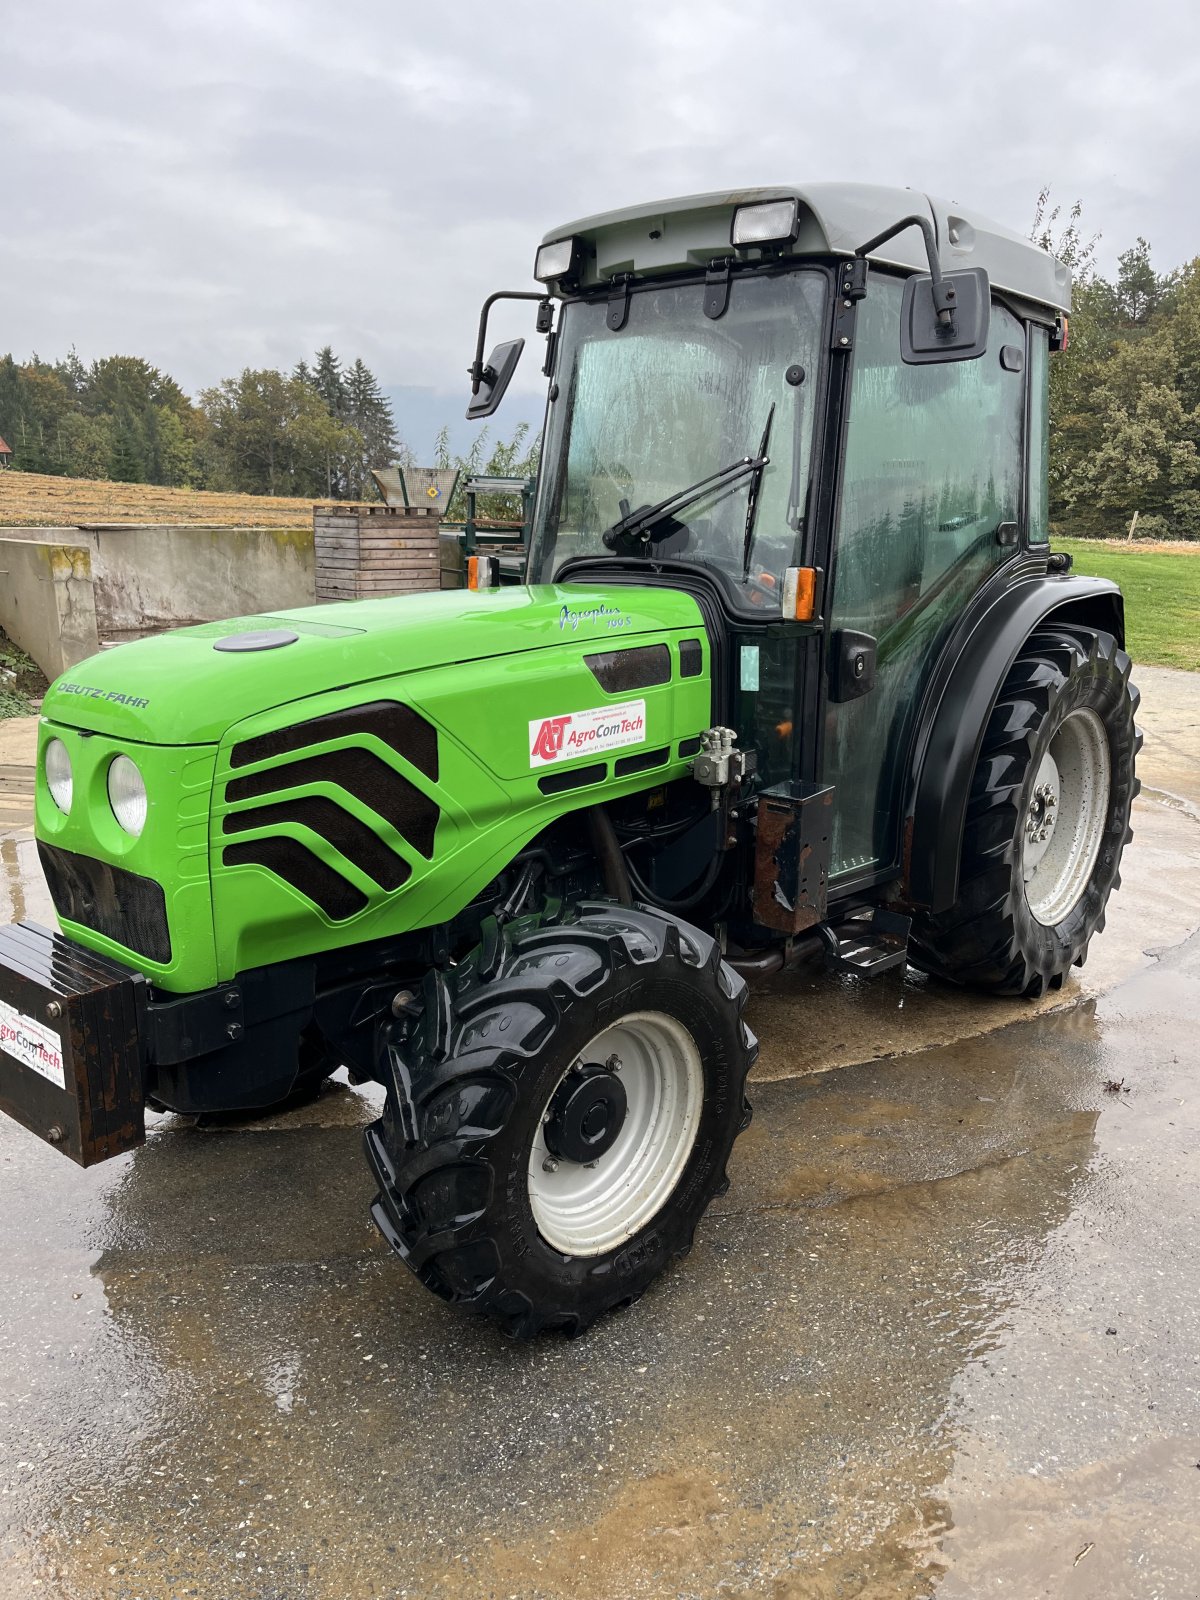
[1064,821]
[586,1210]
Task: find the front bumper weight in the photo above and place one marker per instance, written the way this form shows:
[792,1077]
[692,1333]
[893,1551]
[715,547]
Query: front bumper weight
[71,1057]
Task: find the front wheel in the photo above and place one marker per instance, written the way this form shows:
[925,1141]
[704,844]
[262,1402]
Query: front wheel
[1047,819]
[556,1126]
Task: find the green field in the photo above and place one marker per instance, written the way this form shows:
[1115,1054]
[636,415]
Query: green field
[1162,597]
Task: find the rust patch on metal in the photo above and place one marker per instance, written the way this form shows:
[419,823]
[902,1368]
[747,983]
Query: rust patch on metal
[791,856]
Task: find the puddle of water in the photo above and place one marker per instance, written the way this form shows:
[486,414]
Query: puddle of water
[23,893]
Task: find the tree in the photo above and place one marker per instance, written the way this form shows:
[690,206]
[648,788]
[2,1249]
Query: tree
[125,460]
[327,380]
[117,381]
[1139,289]
[86,446]
[512,458]
[272,434]
[1068,244]
[174,451]
[368,411]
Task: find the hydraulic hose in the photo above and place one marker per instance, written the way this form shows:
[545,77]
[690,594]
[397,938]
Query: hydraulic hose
[687,902]
[608,852]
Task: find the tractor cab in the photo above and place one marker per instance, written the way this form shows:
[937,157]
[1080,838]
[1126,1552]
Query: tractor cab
[825,410]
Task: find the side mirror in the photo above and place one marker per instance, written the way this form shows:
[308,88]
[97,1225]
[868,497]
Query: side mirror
[927,334]
[495,378]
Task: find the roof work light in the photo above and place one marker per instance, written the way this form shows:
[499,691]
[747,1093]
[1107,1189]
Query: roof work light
[771,222]
[554,260]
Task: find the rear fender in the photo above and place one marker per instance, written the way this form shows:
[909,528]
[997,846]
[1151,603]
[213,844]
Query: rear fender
[955,716]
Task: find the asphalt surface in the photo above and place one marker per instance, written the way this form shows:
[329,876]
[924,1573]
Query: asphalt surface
[942,1337]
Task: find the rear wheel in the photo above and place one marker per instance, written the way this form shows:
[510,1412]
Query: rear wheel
[1047,820]
[556,1127]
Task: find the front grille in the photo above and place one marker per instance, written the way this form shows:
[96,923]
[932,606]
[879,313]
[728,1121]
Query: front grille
[353,769]
[119,905]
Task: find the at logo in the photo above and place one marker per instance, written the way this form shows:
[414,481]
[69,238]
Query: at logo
[548,741]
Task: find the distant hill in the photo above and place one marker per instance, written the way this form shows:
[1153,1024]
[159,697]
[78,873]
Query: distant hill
[421,413]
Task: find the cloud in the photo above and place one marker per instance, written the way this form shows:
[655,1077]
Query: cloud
[218,183]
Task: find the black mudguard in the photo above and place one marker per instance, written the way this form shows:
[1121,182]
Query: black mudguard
[950,732]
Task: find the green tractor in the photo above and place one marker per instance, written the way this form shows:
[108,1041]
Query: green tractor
[793,667]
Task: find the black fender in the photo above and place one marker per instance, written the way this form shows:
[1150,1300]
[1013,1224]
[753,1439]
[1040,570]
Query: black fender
[955,713]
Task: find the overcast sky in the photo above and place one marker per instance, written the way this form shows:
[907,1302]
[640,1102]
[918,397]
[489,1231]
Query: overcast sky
[231,183]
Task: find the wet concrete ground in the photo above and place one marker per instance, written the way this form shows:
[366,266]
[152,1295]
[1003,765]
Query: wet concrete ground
[941,1337]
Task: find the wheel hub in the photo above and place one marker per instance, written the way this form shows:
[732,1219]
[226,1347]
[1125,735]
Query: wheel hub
[621,1160]
[1043,813]
[586,1114]
[1065,817]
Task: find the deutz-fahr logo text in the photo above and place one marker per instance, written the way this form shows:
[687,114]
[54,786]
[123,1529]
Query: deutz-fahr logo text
[135,700]
[580,733]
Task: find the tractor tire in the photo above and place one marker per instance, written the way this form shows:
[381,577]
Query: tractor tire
[1047,819]
[560,1116]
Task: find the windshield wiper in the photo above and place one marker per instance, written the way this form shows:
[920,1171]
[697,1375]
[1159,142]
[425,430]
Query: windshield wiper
[640,523]
[752,497]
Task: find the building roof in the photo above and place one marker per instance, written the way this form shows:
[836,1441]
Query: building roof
[835,218]
[4,450]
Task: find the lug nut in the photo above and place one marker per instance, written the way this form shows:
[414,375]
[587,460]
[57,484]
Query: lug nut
[613,1063]
[550,1164]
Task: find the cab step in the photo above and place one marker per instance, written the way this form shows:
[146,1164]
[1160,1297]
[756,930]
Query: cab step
[868,943]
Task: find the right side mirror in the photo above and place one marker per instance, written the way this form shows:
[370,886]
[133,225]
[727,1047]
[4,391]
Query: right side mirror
[495,378]
[925,337]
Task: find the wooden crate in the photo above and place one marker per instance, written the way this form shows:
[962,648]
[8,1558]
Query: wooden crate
[367,550]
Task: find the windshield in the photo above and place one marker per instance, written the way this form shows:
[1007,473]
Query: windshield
[670,399]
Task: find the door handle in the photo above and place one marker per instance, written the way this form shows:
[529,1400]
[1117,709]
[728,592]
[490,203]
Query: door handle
[851,664]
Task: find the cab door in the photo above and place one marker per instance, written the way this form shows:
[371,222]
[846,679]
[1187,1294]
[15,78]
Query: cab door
[930,502]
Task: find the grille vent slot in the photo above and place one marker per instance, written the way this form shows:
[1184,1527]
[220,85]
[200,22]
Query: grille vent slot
[561,782]
[617,671]
[295,864]
[640,763]
[691,658]
[344,832]
[413,814]
[393,724]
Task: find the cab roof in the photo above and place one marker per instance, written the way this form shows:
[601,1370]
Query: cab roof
[835,218]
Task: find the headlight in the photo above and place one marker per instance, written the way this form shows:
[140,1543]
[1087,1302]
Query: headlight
[59,781]
[554,260]
[772,222]
[127,795]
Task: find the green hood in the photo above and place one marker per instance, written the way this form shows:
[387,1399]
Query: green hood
[178,689]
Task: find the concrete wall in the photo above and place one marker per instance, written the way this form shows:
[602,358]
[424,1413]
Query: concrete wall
[147,578]
[65,591]
[47,604]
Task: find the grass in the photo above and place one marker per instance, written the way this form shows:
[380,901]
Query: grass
[22,683]
[30,499]
[1162,597]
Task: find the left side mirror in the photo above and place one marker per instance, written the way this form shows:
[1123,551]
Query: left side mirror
[924,334]
[495,378]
